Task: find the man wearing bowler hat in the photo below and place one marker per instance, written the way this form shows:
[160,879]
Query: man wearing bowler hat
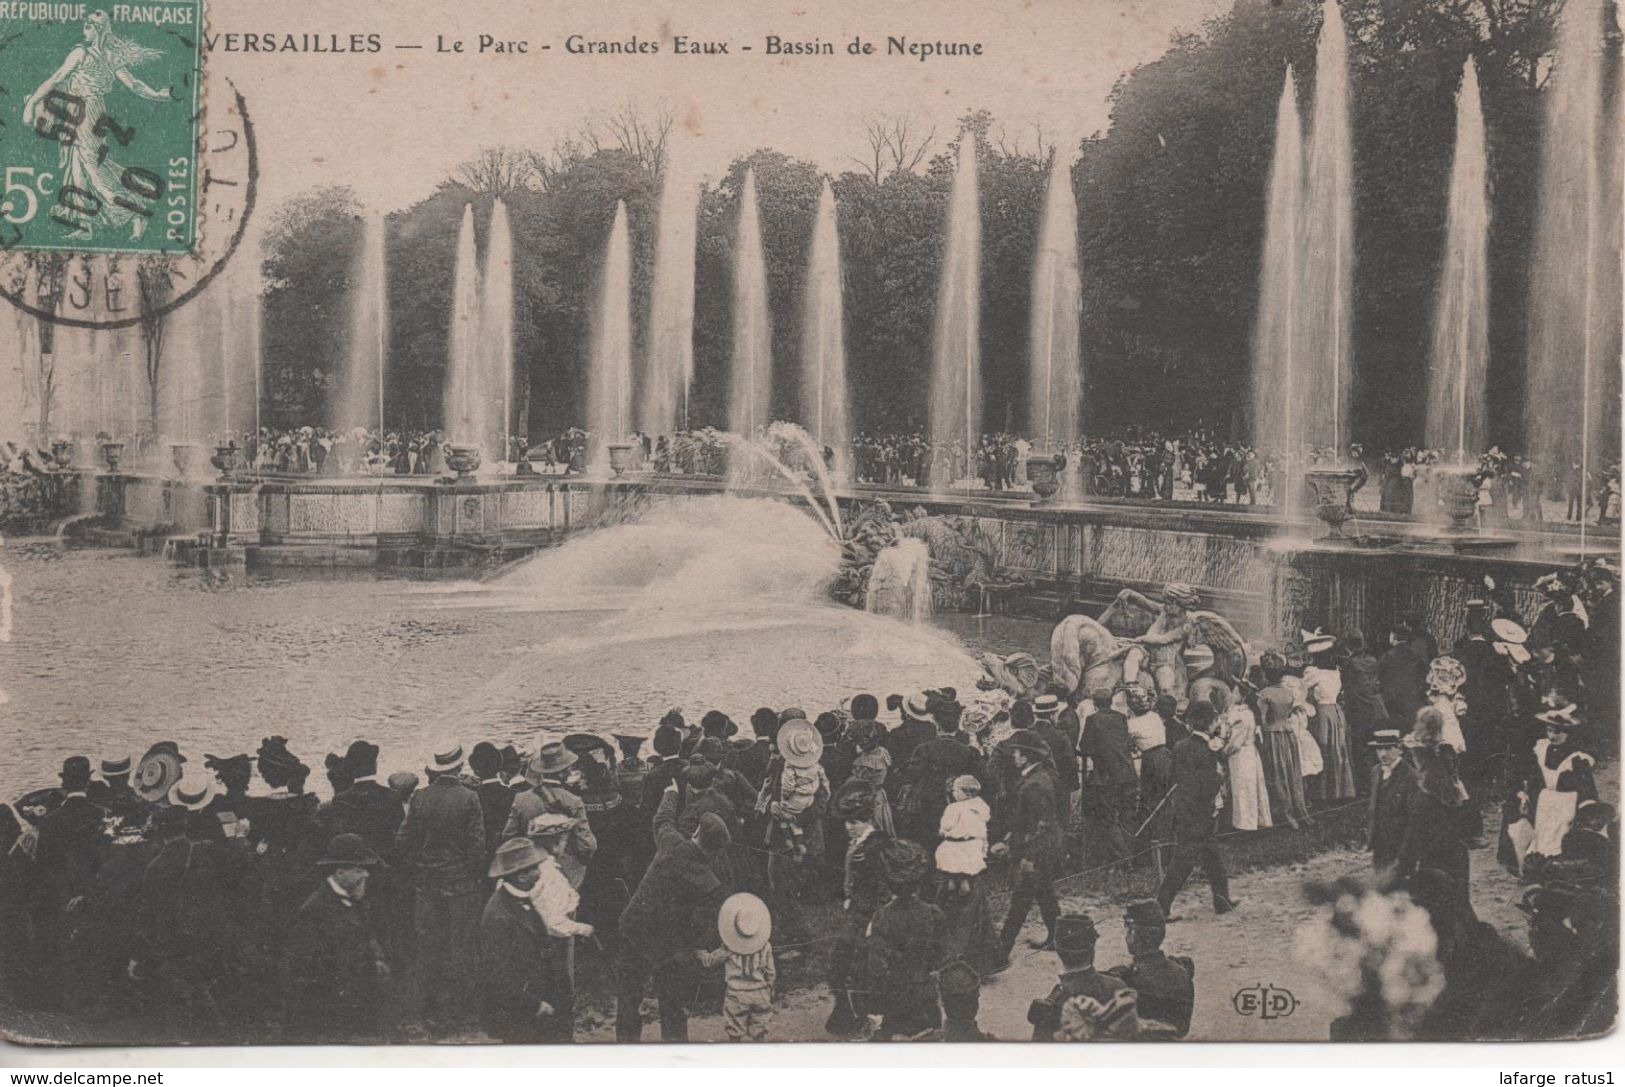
[334,972]
[442,842]
[1195,797]
[1164,982]
[70,850]
[1075,939]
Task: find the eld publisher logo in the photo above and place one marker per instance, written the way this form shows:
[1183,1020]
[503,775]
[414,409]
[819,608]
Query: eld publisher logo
[1265,1001]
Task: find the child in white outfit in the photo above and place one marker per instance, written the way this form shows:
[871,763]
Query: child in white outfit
[962,853]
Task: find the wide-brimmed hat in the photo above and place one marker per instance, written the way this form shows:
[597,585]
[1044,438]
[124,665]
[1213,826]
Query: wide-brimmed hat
[279,766]
[917,707]
[800,744]
[1025,739]
[231,769]
[828,725]
[350,851]
[1385,737]
[446,762]
[514,855]
[116,766]
[485,760]
[1317,641]
[1558,583]
[75,772]
[717,723]
[551,757]
[744,923]
[1046,705]
[192,793]
[549,824]
[1198,658]
[1181,593]
[1509,631]
[1565,717]
[158,770]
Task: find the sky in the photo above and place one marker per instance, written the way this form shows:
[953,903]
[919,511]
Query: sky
[393,124]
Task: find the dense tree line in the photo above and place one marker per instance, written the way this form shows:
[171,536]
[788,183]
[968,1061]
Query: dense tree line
[1170,210]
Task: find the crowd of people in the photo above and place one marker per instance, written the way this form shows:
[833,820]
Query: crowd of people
[459,902]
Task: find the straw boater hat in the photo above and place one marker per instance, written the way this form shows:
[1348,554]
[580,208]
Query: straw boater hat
[192,793]
[1046,705]
[115,767]
[514,855]
[917,707]
[447,762]
[1508,631]
[159,769]
[745,924]
[1385,737]
[800,744]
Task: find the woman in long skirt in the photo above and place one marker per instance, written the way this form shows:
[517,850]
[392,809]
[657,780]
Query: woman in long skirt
[1244,771]
[1324,684]
[1278,746]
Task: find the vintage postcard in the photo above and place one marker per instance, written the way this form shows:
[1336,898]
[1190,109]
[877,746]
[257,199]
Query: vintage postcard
[610,522]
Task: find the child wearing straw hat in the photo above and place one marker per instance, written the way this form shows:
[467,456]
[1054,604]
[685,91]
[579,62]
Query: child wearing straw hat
[746,956]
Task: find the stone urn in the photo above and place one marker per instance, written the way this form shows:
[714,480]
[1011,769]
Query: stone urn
[1044,473]
[463,460]
[1334,495]
[183,455]
[225,460]
[1458,494]
[62,451]
[112,452]
[620,457]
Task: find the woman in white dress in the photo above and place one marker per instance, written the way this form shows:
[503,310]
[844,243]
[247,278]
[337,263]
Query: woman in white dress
[1244,770]
[1323,683]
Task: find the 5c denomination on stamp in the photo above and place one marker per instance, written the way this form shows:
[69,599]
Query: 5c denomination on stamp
[99,133]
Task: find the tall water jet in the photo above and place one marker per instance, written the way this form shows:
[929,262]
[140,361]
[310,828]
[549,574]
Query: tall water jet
[609,389]
[361,402]
[1055,373]
[496,330]
[752,364]
[462,401]
[669,360]
[1574,303]
[1276,424]
[900,581]
[1324,316]
[823,335]
[956,377]
[1461,315]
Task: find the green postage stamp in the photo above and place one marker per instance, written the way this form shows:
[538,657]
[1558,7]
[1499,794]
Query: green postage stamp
[99,119]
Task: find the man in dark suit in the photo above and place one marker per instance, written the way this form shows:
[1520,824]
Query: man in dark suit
[933,765]
[1196,789]
[919,725]
[369,808]
[1391,783]
[496,798]
[515,950]
[671,914]
[1035,844]
[67,856]
[1488,691]
[1402,675]
[442,842]
[1113,785]
[863,891]
[333,970]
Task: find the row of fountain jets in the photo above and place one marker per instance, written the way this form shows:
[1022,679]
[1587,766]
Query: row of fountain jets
[1302,368]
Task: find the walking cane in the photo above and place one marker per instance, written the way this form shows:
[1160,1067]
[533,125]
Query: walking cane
[1156,851]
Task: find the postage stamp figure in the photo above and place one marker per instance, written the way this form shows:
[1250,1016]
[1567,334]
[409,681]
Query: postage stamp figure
[99,119]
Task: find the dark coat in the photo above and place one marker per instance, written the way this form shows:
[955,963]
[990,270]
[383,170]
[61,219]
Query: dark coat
[933,765]
[1390,802]
[515,963]
[496,800]
[1063,754]
[1035,833]
[70,849]
[750,763]
[1196,786]
[902,740]
[904,945]
[864,880]
[332,969]
[1488,692]
[1165,986]
[677,899]
[1107,746]
[442,839]
[1362,695]
[1402,676]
